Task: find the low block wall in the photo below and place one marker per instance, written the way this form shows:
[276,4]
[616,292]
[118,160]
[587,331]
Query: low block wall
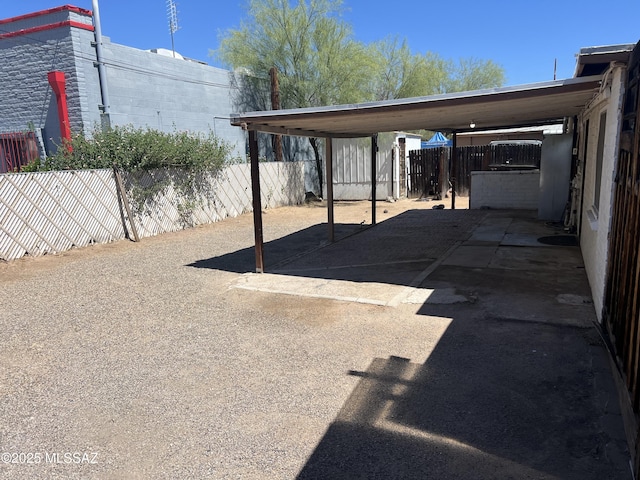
[509,189]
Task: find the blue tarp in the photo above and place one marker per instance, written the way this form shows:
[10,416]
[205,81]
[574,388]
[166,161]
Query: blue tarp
[438,140]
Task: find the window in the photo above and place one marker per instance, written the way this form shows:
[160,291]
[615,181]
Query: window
[599,159]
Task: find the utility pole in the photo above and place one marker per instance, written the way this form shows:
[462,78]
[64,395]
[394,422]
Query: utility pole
[275,105]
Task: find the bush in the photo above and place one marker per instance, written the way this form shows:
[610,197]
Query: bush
[154,160]
[134,149]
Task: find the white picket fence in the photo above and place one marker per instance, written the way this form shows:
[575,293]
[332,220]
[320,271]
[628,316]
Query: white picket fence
[50,212]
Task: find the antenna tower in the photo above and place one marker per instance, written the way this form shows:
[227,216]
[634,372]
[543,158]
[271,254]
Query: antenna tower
[172,14]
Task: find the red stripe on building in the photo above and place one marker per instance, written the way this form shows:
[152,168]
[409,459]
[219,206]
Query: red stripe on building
[40,13]
[42,28]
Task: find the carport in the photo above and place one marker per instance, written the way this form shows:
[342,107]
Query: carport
[516,106]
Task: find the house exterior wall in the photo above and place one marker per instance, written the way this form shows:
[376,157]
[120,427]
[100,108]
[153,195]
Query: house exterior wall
[146,89]
[595,222]
[505,189]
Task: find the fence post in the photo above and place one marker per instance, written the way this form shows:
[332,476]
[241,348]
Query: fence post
[123,196]
[454,170]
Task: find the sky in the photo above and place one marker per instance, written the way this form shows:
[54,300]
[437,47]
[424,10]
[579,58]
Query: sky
[523,37]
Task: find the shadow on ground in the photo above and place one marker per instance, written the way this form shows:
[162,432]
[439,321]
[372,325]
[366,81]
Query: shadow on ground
[496,399]
[280,250]
[519,386]
[392,252]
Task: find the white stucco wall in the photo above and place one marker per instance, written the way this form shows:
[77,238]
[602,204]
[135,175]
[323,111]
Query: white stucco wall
[595,222]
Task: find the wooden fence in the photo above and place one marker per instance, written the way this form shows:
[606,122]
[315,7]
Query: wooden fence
[621,312]
[50,212]
[429,169]
[428,172]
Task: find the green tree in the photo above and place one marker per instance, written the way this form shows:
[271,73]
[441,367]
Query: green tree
[474,74]
[402,74]
[318,61]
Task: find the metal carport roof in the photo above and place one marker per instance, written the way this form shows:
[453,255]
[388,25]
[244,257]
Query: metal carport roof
[521,105]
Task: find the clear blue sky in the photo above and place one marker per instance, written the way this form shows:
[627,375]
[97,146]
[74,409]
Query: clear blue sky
[523,37]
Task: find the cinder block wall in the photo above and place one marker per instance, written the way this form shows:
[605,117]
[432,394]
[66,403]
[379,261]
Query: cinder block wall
[26,59]
[146,89]
[169,94]
[518,190]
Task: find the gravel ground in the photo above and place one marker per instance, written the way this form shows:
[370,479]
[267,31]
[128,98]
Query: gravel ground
[127,352]
[127,361]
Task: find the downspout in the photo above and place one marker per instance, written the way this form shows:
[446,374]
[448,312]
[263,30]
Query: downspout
[102,72]
[58,84]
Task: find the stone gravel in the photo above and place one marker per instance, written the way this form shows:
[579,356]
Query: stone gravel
[142,360]
[128,352]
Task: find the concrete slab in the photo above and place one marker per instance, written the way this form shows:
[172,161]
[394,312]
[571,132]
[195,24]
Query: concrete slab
[471,256]
[342,290]
[490,231]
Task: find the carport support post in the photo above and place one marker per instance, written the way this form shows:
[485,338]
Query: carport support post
[374,155]
[454,170]
[257,201]
[329,176]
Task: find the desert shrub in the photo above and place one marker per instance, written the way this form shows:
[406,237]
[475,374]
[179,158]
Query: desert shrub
[134,149]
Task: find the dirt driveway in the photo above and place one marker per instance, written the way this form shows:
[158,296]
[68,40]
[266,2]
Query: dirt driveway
[154,360]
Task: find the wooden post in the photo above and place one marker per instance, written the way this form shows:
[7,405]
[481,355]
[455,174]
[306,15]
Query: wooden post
[454,170]
[329,174]
[125,202]
[257,201]
[374,172]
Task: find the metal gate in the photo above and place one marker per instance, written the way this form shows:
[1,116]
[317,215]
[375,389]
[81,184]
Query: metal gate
[16,150]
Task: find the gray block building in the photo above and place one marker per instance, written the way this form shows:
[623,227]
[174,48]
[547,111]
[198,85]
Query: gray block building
[143,88]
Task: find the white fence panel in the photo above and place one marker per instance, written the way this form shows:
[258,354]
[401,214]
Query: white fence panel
[213,197]
[50,212]
[352,168]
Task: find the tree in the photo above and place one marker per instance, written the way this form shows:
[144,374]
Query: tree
[402,74]
[318,61]
[474,74]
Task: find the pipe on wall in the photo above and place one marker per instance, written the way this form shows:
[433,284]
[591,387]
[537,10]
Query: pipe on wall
[102,72]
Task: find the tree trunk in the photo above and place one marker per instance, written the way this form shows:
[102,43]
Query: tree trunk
[275,105]
[314,144]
